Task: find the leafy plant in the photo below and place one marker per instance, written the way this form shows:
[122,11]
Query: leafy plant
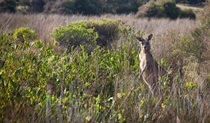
[76,34]
[108,31]
[88,33]
[24,34]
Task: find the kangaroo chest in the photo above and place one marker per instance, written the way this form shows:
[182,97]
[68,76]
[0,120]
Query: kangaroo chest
[146,62]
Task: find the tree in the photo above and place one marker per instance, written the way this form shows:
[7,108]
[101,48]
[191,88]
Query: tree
[37,6]
[88,7]
[8,6]
[125,6]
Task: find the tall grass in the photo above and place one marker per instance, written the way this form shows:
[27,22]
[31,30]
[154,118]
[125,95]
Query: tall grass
[44,24]
[39,84]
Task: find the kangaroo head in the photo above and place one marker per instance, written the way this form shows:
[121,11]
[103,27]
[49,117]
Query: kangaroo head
[145,43]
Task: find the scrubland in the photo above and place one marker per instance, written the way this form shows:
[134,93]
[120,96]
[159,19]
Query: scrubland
[44,24]
[40,82]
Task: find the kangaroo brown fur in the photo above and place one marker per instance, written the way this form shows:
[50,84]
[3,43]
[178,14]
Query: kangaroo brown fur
[150,70]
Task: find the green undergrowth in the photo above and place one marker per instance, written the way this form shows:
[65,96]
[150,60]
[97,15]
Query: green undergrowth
[38,83]
[36,80]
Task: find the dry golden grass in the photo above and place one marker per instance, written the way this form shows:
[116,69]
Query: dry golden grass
[44,24]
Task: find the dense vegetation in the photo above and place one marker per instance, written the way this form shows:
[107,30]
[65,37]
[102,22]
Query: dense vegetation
[61,80]
[87,7]
[165,10]
[191,1]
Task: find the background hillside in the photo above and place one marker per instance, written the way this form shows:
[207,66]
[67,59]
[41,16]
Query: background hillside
[86,7]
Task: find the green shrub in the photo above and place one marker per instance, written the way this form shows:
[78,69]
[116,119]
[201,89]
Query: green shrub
[187,14]
[20,75]
[76,34]
[24,34]
[5,47]
[155,10]
[171,10]
[107,30]
[165,10]
[88,33]
[125,6]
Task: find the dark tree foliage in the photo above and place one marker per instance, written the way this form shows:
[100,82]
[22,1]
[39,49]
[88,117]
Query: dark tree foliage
[171,10]
[168,10]
[88,7]
[8,6]
[24,2]
[191,1]
[62,7]
[37,6]
[125,6]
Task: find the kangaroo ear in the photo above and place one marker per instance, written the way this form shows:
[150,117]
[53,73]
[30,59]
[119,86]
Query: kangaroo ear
[139,39]
[150,37]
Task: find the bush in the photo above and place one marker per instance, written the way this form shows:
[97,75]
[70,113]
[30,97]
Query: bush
[8,6]
[91,7]
[125,6]
[187,14]
[23,34]
[63,7]
[165,10]
[171,10]
[155,10]
[37,6]
[87,33]
[107,30]
[19,77]
[76,34]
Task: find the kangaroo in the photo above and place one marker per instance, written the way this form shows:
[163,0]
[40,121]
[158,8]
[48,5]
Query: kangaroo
[150,70]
